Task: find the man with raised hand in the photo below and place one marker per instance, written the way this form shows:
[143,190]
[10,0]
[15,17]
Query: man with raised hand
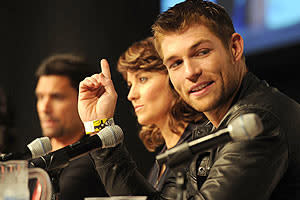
[206,64]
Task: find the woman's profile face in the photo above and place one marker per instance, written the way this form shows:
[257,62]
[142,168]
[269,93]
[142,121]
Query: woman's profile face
[150,95]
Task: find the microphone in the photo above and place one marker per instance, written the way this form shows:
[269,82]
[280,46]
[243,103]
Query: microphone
[245,127]
[110,136]
[36,148]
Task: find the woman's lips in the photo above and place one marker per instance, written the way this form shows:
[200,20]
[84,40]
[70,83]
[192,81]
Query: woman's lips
[137,108]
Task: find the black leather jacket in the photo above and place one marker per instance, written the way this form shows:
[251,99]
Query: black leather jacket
[159,183]
[267,167]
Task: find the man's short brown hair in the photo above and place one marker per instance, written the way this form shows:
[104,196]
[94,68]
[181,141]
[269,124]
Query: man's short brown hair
[191,12]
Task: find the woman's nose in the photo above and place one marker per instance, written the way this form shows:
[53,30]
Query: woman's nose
[133,93]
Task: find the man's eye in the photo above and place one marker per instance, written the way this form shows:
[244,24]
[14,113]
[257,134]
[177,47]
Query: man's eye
[202,52]
[175,64]
[58,97]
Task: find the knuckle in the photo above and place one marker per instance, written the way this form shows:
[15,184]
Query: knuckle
[94,76]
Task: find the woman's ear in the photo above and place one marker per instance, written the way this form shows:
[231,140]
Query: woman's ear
[237,46]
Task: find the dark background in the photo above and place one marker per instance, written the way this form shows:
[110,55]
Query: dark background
[33,30]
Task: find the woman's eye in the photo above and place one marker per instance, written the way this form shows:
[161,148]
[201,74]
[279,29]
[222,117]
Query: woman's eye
[143,79]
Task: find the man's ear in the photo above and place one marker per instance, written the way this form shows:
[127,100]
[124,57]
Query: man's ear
[237,46]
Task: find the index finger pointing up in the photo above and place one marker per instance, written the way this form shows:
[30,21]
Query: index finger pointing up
[105,68]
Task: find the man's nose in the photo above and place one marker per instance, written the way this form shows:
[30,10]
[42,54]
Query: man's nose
[44,105]
[192,70]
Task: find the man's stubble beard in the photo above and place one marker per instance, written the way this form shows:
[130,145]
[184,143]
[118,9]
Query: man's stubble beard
[54,133]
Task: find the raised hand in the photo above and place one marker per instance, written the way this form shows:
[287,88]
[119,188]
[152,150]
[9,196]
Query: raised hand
[97,96]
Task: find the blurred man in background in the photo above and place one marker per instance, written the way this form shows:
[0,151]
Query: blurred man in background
[58,79]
